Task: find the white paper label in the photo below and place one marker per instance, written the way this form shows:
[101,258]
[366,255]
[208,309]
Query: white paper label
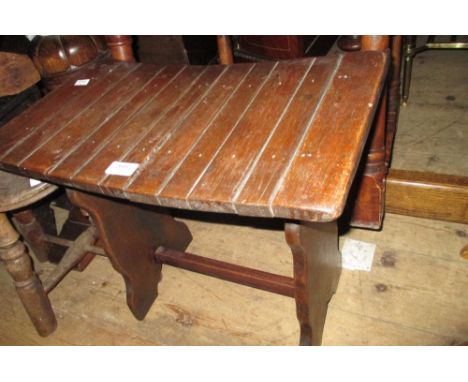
[357,255]
[82,82]
[121,168]
[34,182]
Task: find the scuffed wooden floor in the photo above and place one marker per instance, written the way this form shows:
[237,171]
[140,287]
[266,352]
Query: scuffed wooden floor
[416,294]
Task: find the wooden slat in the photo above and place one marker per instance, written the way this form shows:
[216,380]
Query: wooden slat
[215,188]
[427,195]
[64,116]
[33,118]
[174,120]
[49,155]
[261,182]
[315,186]
[88,149]
[166,158]
[178,188]
[130,134]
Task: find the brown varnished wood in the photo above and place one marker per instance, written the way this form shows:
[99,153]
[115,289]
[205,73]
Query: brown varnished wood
[58,145]
[121,47]
[33,233]
[129,135]
[58,58]
[26,145]
[176,119]
[336,125]
[227,169]
[17,73]
[169,154]
[317,269]
[275,47]
[368,208]
[260,184]
[131,250]
[427,195]
[225,50]
[74,162]
[226,271]
[350,43]
[127,85]
[204,138]
[33,119]
[55,55]
[199,145]
[177,189]
[28,286]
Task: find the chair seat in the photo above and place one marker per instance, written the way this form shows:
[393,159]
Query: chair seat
[16,191]
[277,139]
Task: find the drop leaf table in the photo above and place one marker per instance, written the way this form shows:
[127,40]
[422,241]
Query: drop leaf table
[130,141]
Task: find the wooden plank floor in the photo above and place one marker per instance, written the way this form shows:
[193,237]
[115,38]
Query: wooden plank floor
[433,133]
[415,294]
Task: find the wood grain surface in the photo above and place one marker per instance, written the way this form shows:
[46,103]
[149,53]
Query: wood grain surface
[276,139]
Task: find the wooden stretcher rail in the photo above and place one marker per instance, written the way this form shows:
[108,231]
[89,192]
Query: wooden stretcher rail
[225,271]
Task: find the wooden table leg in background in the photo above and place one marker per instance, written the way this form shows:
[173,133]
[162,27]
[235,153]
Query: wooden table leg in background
[368,207]
[130,235]
[19,266]
[317,269]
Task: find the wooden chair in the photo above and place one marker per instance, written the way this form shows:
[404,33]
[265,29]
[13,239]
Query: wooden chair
[279,140]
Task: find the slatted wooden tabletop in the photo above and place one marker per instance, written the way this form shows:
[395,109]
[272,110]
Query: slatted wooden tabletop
[278,139]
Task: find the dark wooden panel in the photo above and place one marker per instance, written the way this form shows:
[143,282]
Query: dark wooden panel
[427,195]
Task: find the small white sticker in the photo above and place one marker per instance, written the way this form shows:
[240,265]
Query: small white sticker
[83,82]
[121,168]
[357,255]
[34,182]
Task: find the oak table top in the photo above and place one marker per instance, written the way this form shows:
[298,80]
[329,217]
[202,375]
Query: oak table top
[273,139]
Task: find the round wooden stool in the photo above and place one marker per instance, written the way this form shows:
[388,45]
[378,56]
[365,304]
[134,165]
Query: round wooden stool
[16,192]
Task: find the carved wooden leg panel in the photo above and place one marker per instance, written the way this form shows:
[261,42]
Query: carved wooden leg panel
[19,266]
[317,268]
[130,235]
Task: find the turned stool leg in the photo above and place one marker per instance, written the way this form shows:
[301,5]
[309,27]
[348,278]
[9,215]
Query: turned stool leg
[317,268]
[28,286]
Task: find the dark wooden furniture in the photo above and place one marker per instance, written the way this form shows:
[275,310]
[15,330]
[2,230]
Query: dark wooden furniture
[281,47]
[366,207]
[277,139]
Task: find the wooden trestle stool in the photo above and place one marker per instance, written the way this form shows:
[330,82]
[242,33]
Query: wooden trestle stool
[280,140]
